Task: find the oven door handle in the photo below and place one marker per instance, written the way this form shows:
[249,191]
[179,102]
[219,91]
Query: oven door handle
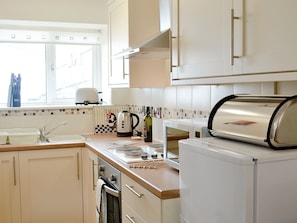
[111,191]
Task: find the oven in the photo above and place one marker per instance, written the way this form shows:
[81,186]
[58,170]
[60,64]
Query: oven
[108,193]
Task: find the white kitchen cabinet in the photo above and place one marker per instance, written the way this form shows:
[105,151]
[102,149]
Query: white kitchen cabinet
[270,36]
[212,46]
[90,177]
[140,205]
[51,186]
[119,40]
[132,22]
[203,38]
[10,207]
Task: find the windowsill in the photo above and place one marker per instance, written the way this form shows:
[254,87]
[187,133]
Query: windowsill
[47,107]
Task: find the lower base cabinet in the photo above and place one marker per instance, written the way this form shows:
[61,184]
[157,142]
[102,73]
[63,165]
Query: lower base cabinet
[90,173]
[10,202]
[141,206]
[46,186]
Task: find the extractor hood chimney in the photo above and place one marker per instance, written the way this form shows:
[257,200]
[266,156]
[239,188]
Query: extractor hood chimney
[157,46]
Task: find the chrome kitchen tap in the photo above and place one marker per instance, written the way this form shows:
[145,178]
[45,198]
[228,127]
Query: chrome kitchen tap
[43,134]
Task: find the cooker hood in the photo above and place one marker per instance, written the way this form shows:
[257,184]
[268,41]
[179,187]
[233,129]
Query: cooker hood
[156,47]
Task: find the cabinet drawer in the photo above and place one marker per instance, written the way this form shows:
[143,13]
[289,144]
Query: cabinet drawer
[128,213]
[143,202]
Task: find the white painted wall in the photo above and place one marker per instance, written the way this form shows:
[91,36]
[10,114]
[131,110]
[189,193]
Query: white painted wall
[75,11]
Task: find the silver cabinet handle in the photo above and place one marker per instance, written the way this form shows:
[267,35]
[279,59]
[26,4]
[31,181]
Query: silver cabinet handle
[14,171]
[77,160]
[124,69]
[177,39]
[232,37]
[130,218]
[93,173]
[171,53]
[133,191]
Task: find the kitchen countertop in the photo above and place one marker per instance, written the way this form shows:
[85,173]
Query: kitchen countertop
[162,181]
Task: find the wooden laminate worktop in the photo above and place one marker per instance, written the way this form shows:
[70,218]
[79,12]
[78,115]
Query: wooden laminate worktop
[162,181]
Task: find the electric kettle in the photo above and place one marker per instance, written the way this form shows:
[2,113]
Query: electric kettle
[125,125]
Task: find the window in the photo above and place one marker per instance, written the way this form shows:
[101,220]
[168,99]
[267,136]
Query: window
[52,64]
[50,73]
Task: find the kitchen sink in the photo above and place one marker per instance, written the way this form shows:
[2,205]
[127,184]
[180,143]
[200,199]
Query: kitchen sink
[66,138]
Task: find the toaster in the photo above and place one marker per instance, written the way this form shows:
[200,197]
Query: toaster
[87,96]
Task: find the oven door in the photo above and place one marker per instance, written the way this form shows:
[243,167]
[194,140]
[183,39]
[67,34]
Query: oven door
[110,205]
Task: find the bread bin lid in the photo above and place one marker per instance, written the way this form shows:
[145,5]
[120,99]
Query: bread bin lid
[264,120]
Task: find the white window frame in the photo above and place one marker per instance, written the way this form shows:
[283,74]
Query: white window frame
[51,33]
[51,74]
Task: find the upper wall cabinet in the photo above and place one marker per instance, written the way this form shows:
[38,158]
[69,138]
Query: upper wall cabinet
[204,38]
[132,22]
[225,41]
[270,36]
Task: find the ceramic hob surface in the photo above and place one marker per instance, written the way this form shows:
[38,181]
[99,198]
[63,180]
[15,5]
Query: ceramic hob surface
[131,154]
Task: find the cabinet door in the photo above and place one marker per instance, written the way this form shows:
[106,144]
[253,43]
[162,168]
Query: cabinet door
[205,40]
[119,40]
[132,23]
[51,186]
[270,36]
[10,211]
[90,173]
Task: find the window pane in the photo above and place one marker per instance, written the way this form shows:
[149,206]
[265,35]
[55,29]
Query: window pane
[28,60]
[74,69]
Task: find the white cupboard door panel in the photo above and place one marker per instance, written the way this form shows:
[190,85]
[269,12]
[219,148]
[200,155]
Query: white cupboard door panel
[90,173]
[132,23]
[205,38]
[51,189]
[119,28]
[119,40]
[10,211]
[270,36]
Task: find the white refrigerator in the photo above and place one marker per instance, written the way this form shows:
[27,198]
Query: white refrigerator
[223,181]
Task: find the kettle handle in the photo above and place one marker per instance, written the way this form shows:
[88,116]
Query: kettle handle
[137,120]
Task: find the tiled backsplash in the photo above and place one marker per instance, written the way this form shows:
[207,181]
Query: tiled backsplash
[79,119]
[45,111]
[168,103]
[170,113]
[105,118]
[88,119]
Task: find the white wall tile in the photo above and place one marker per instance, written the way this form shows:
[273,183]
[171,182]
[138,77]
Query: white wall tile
[170,97]
[287,88]
[120,96]
[268,88]
[158,97]
[201,97]
[140,96]
[254,88]
[76,124]
[184,97]
[248,88]
[220,91]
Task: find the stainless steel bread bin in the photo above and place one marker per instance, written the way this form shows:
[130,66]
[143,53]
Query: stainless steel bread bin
[264,120]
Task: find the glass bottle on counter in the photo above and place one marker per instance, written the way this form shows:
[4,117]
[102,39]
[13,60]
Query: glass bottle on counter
[148,126]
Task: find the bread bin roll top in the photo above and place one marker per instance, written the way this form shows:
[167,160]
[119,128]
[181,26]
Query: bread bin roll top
[264,120]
